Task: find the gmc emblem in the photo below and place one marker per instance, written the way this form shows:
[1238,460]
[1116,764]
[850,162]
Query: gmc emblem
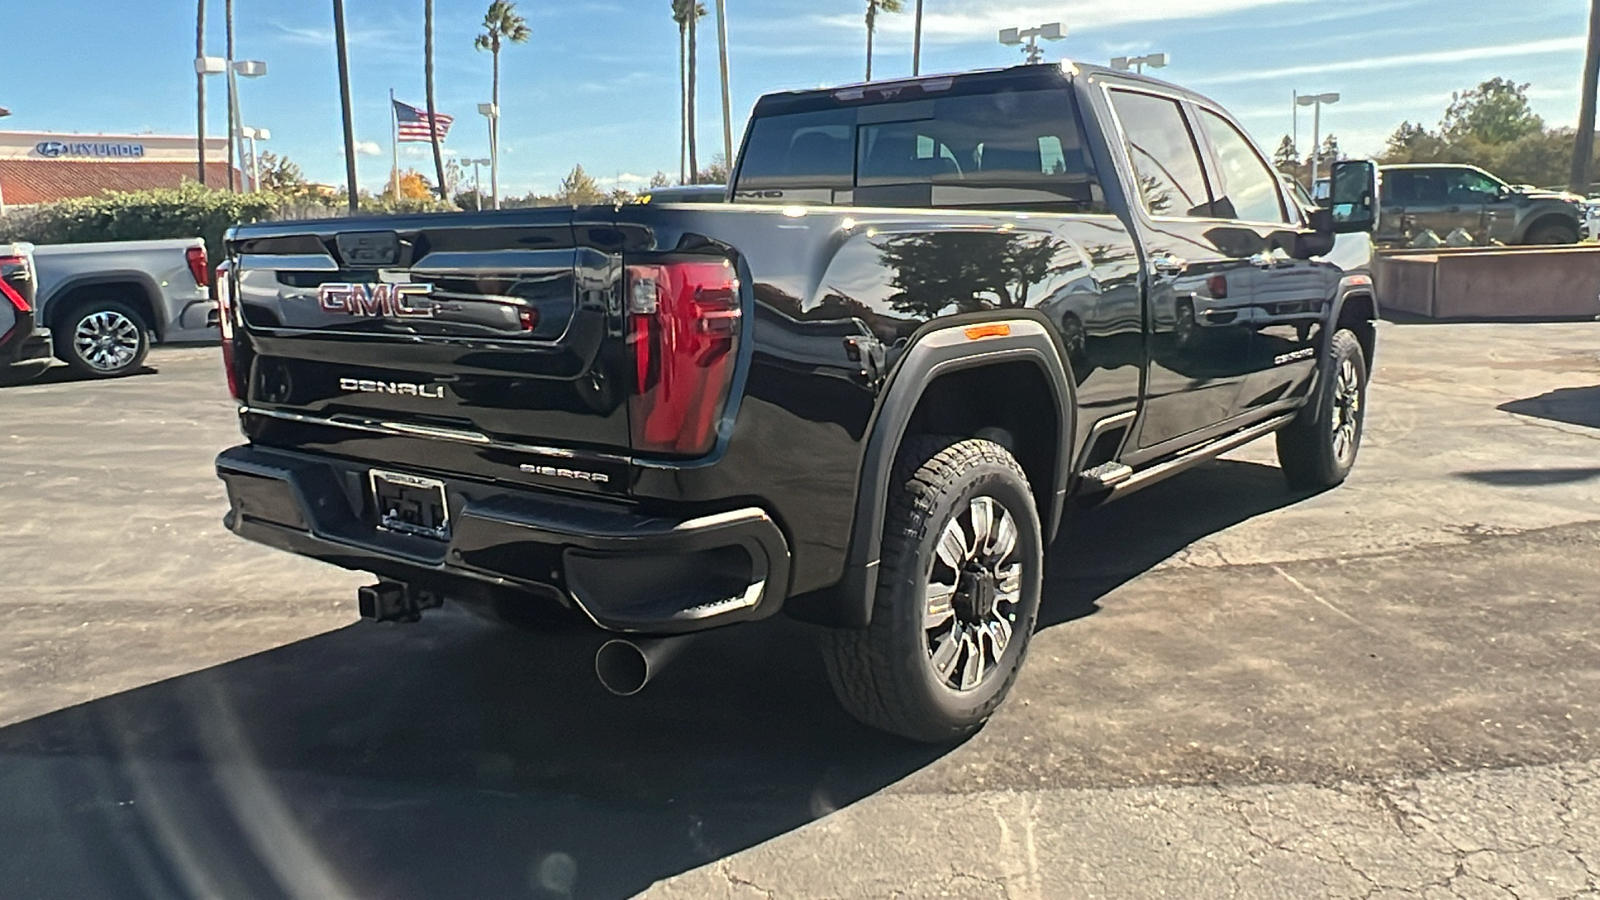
[373,300]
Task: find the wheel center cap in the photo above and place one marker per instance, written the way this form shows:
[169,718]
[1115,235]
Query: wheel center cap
[975,601]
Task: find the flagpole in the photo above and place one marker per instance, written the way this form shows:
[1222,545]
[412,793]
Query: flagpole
[394,146]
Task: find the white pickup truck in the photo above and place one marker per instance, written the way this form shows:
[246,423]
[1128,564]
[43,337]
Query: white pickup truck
[106,303]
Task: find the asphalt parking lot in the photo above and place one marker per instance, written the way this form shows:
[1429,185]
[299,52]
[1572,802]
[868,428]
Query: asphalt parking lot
[1388,690]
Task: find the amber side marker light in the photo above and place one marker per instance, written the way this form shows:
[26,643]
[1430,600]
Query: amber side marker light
[984,331]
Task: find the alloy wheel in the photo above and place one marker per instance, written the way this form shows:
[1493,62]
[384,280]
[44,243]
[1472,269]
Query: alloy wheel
[1346,410]
[973,594]
[106,340]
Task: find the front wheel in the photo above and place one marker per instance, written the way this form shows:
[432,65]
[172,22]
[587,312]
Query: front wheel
[1318,449]
[102,339]
[958,594]
[1553,233]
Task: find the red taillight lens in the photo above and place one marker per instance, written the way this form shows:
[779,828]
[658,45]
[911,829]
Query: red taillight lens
[196,257]
[683,327]
[225,322]
[9,264]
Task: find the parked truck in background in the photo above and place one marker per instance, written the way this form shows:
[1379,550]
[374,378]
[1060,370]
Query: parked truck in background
[1444,198]
[938,314]
[104,304]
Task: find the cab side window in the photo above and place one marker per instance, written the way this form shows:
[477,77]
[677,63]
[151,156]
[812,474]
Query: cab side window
[1166,159]
[1249,191]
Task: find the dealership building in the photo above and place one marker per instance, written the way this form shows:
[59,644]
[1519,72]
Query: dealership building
[42,166]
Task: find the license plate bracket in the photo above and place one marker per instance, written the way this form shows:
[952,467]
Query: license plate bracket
[410,504]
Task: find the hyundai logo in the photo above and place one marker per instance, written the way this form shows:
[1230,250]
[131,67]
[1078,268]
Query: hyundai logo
[51,149]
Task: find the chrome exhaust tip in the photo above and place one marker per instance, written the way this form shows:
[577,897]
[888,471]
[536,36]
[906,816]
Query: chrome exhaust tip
[624,667]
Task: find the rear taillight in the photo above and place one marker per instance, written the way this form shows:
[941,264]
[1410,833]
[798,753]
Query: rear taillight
[683,328]
[196,257]
[225,322]
[13,267]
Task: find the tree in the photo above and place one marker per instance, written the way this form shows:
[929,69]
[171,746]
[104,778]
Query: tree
[873,8]
[1286,158]
[688,13]
[501,25]
[1329,153]
[433,108]
[716,173]
[1494,112]
[414,185]
[660,180]
[580,189]
[279,175]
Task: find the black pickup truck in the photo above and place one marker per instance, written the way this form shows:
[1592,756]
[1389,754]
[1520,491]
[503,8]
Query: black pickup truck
[935,315]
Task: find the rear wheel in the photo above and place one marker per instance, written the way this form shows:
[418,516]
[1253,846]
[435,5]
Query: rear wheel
[957,599]
[1318,449]
[1552,233]
[102,339]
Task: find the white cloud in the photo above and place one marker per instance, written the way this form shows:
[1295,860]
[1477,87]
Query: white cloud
[368,148]
[1465,54]
[626,179]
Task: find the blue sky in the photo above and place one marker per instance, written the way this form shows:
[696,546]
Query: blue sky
[598,83]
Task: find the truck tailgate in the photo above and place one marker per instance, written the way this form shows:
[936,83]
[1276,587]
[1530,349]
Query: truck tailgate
[446,326]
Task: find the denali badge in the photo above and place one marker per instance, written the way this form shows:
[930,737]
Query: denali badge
[372,300]
[404,389]
[574,474]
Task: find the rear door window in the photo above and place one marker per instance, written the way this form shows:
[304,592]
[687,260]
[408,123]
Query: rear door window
[1166,159]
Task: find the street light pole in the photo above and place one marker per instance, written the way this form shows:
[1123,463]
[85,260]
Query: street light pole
[477,181]
[344,101]
[727,100]
[1316,101]
[916,43]
[1583,153]
[492,112]
[233,94]
[200,85]
[1129,63]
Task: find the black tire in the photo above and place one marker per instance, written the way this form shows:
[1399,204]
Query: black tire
[885,674]
[1552,233]
[102,338]
[1318,449]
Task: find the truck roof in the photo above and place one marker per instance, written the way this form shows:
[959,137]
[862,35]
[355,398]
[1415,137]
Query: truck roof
[1027,75]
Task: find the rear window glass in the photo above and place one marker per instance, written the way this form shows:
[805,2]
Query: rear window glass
[1005,150]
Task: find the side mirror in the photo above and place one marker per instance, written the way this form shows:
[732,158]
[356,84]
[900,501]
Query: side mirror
[1353,199]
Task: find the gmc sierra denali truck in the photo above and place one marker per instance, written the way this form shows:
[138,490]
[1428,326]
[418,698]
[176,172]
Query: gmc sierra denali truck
[934,315]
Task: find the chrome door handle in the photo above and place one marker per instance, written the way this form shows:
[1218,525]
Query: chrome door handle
[1167,264]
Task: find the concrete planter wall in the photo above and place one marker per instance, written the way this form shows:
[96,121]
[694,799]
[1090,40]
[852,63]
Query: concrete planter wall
[1495,283]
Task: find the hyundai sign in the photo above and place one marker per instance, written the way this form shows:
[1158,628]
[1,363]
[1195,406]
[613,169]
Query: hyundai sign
[91,149]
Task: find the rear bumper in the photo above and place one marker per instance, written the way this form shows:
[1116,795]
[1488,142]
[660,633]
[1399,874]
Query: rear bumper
[27,349]
[626,571]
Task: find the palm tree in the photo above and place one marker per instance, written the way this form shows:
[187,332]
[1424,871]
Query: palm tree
[501,24]
[873,8]
[433,110]
[200,82]
[686,13]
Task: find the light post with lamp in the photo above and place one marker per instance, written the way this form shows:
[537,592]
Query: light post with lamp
[492,112]
[1028,39]
[477,182]
[252,135]
[1317,101]
[248,68]
[1137,63]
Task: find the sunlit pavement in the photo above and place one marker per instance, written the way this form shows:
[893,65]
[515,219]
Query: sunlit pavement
[1388,690]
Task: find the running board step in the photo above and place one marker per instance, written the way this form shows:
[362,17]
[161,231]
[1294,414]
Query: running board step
[1189,458]
[1103,477]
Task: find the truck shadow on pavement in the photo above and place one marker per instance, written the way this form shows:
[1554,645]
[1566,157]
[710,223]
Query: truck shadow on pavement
[453,759]
[1572,405]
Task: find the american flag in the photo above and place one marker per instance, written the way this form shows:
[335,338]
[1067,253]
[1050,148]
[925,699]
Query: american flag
[413,123]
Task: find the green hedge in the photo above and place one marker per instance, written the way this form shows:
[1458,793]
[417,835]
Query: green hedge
[184,212]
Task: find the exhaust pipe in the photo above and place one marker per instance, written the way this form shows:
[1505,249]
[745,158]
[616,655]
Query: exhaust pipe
[624,667]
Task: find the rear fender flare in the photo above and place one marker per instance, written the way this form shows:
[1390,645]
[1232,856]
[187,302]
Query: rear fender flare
[937,353]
